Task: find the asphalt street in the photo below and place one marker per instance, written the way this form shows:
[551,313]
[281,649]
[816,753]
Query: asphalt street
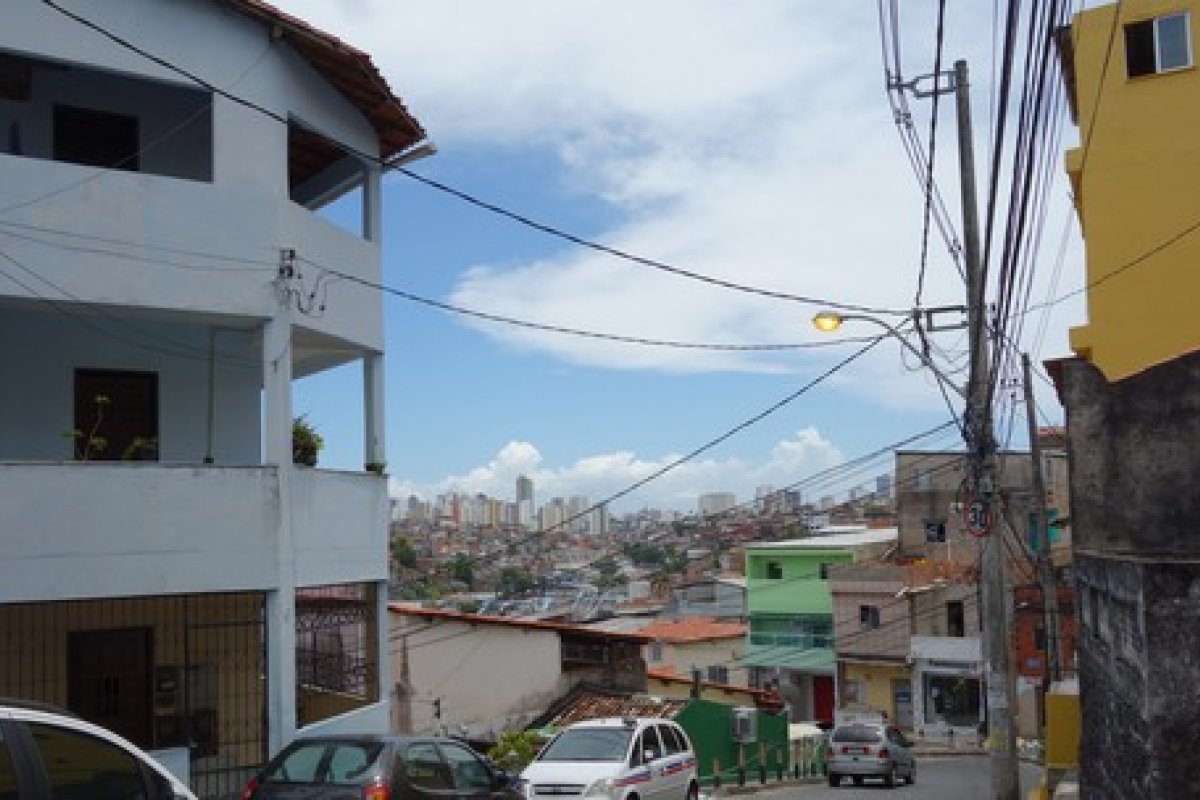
[938,778]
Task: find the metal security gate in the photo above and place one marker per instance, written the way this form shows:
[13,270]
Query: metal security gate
[337,664]
[221,690]
[196,691]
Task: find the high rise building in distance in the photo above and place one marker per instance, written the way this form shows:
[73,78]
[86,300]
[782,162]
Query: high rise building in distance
[524,500]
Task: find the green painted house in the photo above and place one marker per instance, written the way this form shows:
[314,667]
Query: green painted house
[789,643]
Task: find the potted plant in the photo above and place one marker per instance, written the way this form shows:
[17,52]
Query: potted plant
[306,442]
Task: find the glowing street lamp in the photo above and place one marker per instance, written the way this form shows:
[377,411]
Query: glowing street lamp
[829,321]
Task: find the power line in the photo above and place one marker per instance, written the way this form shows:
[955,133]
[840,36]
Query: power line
[321,285]
[642,260]
[540,326]
[142,338]
[933,120]
[469,198]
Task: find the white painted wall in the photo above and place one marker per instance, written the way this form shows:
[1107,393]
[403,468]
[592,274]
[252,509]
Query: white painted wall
[43,349]
[489,676]
[122,529]
[682,656]
[243,214]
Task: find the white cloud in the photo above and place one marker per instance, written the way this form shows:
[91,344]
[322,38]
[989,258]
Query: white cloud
[751,142]
[599,477]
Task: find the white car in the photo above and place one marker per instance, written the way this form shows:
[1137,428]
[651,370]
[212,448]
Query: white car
[630,758]
[45,753]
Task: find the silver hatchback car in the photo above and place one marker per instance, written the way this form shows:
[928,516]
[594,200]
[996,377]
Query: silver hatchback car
[870,750]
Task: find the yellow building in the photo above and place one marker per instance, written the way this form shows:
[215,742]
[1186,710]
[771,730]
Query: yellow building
[1135,91]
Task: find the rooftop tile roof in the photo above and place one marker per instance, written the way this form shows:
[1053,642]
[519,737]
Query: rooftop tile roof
[348,69]
[693,629]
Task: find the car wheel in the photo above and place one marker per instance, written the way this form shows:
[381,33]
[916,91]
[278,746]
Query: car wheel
[912,773]
[889,780]
[834,779]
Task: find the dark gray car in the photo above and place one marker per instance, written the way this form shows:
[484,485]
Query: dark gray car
[870,750]
[373,767]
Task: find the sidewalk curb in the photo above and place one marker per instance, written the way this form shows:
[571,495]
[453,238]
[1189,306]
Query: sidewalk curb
[734,790]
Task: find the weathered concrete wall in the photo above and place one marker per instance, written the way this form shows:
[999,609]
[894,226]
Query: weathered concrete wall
[1135,458]
[1135,466]
[1138,666]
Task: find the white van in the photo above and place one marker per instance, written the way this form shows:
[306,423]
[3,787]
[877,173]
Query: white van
[646,758]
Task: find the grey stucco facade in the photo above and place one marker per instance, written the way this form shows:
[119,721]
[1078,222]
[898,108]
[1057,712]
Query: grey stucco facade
[1135,465]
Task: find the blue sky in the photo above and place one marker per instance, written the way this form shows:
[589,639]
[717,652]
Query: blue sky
[751,142]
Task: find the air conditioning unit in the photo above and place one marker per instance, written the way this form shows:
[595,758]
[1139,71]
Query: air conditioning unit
[745,725]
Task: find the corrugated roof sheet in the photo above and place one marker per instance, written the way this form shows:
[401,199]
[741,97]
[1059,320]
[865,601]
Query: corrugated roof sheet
[348,69]
[513,622]
[594,705]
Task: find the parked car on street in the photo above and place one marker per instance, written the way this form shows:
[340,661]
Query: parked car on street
[870,750]
[49,753]
[647,758]
[380,767]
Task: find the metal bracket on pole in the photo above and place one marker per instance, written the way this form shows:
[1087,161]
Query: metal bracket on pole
[933,326]
[943,83]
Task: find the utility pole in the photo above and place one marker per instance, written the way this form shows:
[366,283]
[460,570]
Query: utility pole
[1045,566]
[981,458]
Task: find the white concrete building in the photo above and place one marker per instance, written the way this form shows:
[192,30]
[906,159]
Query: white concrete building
[947,687]
[165,569]
[478,676]
[715,503]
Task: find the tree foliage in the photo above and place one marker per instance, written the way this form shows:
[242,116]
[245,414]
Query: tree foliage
[515,749]
[403,552]
[514,581]
[461,569]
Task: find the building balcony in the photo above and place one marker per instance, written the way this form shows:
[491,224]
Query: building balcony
[789,596]
[121,529]
[806,652]
[795,641]
[203,250]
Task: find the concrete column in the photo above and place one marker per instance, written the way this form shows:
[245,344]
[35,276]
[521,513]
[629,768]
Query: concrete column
[281,602]
[372,207]
[374,451]
[383,649]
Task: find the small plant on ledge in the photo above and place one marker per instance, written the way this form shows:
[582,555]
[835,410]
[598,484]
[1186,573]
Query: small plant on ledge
[306,442]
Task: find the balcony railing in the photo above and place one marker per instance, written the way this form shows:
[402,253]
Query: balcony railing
[799,641]
[75,529]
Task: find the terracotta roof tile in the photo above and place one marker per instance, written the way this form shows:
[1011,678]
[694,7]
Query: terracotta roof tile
[349,70]
[693,629]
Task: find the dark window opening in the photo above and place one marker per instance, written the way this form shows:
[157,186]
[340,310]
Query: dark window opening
[955,619]
[1039,638]
[109,680]
[116,415]
[935,531]
[717,674]
[1157,45]
[951,700]
[96,138]
[868,618]
[774,570]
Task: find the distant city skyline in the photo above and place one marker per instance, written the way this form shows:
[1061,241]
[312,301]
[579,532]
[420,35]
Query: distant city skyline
[613,144]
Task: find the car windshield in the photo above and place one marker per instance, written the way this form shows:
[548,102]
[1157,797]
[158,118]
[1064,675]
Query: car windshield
[337,762]
[861,734]
[588,744]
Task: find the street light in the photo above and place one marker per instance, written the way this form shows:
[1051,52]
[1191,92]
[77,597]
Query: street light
[829,321]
